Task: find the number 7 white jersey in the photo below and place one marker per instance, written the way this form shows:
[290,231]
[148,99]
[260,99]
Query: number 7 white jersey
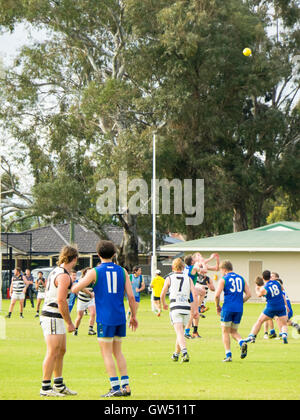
[180,291]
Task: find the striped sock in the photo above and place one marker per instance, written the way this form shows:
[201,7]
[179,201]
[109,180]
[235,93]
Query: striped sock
[59,383]
[228,353]
[114,383]
[46,385]
[124,381]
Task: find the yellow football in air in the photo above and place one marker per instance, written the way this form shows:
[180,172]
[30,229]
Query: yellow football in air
[247,52]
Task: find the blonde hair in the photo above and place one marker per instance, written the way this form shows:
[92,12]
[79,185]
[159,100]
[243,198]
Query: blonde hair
[178,265]
[226,265]
[67,254]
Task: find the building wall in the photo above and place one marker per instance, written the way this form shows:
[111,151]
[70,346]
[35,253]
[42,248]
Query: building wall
[287,265]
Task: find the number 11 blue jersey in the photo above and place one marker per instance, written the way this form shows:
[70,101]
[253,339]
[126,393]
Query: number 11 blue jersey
[109,292]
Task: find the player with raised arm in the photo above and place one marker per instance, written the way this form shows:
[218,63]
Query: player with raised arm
[181,287]
[55,314]
[276,306]
[110,282]
[236,293]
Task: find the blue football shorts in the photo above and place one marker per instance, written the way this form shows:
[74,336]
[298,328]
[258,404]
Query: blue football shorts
[231,319]
[271,313]
[111,331]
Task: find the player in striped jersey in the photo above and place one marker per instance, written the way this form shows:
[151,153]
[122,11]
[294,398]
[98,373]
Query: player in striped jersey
[40,286]
[110,284]
[181,287]
[86,301]
[54,315]
[17,291]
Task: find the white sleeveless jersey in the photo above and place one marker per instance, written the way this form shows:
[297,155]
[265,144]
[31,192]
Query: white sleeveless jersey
[180,291]
[50,308]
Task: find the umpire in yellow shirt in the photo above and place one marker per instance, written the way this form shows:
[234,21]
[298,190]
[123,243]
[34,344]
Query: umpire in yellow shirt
[157,285]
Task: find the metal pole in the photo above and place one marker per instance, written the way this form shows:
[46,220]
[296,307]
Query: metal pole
[154,257]
[72,232]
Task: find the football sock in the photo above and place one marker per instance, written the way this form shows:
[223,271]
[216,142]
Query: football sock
[241,342]
[272,332]
[187,331]
[46,385]
[195,329]
[295,325]
[124,381]
[184,351]
[114,383]
[228,353]
[59,383]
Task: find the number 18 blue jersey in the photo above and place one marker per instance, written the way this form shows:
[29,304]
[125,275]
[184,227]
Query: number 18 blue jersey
[274,296]
[109,292]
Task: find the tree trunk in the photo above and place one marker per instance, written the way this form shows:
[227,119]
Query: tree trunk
[128,255]
[240,221]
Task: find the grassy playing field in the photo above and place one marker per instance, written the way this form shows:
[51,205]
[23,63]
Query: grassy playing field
[271,370]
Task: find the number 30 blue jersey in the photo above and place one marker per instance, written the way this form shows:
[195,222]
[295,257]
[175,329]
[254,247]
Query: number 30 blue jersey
[233,293]
[109,292]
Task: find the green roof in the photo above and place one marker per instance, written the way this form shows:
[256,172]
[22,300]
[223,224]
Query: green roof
[281,226]
[256,240]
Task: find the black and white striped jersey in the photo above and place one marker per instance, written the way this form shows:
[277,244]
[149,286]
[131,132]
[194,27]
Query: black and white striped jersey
[180,291]
[84,297]
[50,308]
[18,284]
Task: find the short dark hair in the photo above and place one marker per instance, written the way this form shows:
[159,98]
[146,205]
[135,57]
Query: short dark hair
[136,268]
[40,272]
[106,249]
[266,275]
[188,260]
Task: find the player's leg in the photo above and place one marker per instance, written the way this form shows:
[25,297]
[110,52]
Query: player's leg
[78,319]
[236,336]
[195,333]
[11,307]
[226,331]
[122,366]
[283,328]
[256,327]
[188,327]
[92,312]
[179,329]
[106,347]
[53,343]
[272,333]
[21,307]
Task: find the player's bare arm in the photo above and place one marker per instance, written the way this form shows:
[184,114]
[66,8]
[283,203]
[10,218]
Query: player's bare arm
[164,293]
[63,282]
[89,278]
[247,292]
[194,305]
[219,291]
[133,323]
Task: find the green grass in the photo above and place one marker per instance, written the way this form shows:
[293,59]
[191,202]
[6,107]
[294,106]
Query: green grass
[271,370]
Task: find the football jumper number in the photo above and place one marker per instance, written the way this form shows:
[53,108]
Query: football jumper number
[274,290]
[111,283]
[236,284]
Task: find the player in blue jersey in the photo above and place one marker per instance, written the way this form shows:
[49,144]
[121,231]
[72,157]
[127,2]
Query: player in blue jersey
[236,293]
[138,285]
[110,284]
[275,276]
[276,306]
